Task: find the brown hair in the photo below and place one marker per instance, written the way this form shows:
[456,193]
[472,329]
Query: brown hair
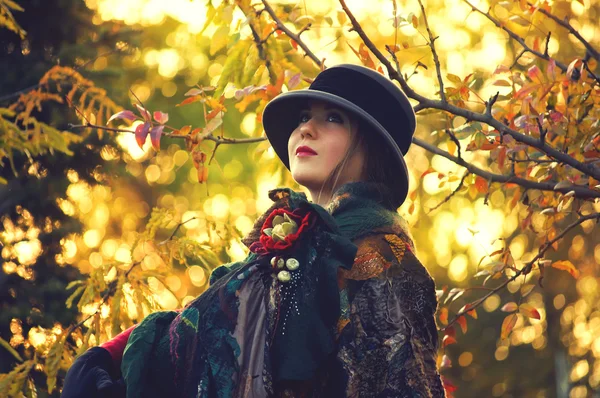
[378,160]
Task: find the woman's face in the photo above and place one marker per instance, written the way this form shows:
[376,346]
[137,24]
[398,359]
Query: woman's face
[319,144]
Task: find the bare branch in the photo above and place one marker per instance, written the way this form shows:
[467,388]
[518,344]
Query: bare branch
[436,59]
[292,35]
[580,191]
[210,137]
[447,198]
[565,24]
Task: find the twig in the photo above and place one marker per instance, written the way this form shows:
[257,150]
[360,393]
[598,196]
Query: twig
[563,22]
[177,229]
[436,60]
[447,198]
[292,35]
[210,137]
[521,41]
[526,269]
[580,191]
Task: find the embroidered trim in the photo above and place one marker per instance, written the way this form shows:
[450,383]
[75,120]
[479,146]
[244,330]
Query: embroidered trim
[397,245]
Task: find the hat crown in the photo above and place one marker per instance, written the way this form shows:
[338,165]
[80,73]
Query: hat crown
[375,94]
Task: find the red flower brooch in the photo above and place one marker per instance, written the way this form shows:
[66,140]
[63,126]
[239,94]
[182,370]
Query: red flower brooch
[281,230]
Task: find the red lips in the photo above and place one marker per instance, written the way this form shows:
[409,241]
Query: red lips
[305,150]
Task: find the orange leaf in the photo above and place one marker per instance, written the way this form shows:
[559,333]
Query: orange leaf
[447,340]
[444,315]
[507,325]
[481,184]
[462,321]
[428,171]
[568,266]
[509,307]
[184,130]
[473,313]
[190,100]
[529,311]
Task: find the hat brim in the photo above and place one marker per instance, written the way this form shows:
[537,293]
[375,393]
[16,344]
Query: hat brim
[281,116]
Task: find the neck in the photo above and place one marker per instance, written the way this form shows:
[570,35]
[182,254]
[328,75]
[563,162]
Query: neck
[323,199]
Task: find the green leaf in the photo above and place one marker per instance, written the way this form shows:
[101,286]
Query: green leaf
[219,39]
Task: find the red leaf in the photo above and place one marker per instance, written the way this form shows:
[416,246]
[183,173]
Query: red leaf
[447,340]
[481,184]
[127,115]
[161,117]
[155,135]
[145,114]
[141,133]
[448,386]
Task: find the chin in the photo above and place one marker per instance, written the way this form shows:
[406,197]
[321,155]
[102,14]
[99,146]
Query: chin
[308,179]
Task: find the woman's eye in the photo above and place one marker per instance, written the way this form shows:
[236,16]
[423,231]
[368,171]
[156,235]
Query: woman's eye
[304,117]
[335,118]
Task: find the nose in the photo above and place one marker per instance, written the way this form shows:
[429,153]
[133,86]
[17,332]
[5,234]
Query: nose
[308,129]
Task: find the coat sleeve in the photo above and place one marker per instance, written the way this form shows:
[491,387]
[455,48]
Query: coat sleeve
[387,346]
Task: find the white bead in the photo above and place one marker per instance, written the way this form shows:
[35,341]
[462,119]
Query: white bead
[292,264]
[283,276]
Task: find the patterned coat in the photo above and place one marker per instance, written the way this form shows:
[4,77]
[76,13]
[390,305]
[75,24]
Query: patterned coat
[362,328]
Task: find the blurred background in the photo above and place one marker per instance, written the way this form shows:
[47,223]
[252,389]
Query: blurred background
[63,216]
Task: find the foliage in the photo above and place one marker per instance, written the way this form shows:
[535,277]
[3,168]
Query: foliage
[534,141]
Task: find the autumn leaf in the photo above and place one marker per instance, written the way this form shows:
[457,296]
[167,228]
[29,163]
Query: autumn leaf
[473,313]
[462,321]
[509,307]
[447,340]
[145,114]
[529,311]
[481,184]
[526,289]
[155,134]
[568,266]
[507,325]
[141,133]
[444,315]
[127,115]
[161,117]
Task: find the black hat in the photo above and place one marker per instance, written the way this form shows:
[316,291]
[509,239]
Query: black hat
[365,93]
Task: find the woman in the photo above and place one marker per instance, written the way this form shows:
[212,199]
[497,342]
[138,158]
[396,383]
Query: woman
[331,301]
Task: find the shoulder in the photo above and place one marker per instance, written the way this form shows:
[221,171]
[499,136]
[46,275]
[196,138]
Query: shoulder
[392,253]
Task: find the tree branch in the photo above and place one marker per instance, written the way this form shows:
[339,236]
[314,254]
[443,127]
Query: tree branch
[526,269]
[292,35]
[563,22]
[436,59]
[210,137]
[581,192]
[588,169]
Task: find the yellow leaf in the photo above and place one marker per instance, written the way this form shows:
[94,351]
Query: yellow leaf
[219,39]
[529,311]
[452,147]
[507,325]
[568,266]
[526,289]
